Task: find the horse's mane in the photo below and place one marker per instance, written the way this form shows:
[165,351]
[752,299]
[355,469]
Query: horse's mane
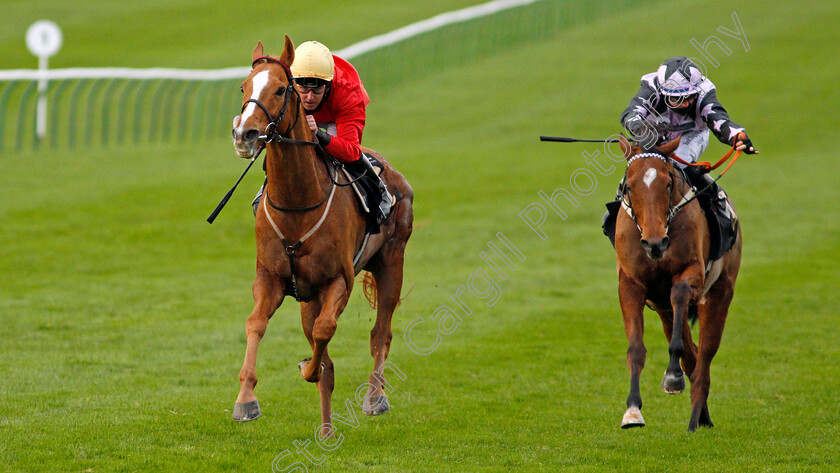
[654,150]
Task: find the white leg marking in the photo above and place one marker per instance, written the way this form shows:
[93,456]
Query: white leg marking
[259,82]
[650,176]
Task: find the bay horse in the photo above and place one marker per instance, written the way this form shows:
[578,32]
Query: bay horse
[662,245]
[302,199]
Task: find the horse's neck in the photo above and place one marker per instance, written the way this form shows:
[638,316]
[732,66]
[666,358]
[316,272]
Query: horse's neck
[295,178]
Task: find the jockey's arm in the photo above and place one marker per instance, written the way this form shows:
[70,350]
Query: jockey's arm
[346,145]
[726,131]
[639,107]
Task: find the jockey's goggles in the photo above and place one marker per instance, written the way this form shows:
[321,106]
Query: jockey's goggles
[676,101]
[313,84]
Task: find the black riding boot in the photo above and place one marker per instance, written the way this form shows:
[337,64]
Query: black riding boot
[609,218]
[385,197]
[619,194]
[708,192]
[256,203]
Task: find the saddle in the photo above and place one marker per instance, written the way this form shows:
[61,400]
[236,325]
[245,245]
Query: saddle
[723,222]
[366,188]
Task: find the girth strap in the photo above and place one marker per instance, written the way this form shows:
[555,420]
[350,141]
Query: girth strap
[290,249]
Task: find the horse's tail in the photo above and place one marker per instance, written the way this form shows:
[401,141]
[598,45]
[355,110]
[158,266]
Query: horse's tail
[692,314]
[369,288]
[371,293]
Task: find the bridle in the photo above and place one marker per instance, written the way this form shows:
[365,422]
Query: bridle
[270,133]
[673,209]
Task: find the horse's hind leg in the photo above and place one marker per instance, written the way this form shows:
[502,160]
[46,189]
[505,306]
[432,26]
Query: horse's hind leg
[712,321]
[268,294]
[632,299]
[388,273]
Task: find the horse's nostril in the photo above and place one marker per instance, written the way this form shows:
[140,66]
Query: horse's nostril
[251,135]
[645,244]
[665,242]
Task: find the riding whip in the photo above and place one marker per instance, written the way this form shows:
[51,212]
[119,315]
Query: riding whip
[225,199]
[563,139]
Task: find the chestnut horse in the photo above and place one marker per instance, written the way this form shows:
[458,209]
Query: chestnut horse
[662,247]
[302,200]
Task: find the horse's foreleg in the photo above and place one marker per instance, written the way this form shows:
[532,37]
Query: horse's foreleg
[333,299]
[632,299]
[268,294]
[674,380]
[689,359]
[309,312]
[712,321]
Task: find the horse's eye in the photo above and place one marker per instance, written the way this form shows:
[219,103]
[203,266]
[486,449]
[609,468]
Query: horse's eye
[242,89]
[281,90]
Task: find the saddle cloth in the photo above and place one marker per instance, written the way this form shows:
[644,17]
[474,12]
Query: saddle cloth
[366,188]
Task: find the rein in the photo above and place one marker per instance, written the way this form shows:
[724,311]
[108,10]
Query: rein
[709,166]
[691,195]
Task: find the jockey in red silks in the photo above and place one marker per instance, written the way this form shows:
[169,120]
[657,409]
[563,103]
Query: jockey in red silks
[337,104]
[334,100]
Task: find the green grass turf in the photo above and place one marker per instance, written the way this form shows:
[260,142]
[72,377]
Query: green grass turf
[123,312]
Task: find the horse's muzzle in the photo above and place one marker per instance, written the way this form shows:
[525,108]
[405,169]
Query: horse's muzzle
[655,248]
[245,143]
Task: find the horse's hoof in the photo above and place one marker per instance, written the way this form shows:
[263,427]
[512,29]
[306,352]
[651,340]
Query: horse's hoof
[672,384]
[302,366]
[245,411]
[375,406]
[632,418]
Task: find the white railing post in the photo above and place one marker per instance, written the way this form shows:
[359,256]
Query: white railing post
[43,39]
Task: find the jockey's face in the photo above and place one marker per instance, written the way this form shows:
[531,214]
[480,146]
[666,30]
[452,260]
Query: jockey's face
[311,96]
[680,103]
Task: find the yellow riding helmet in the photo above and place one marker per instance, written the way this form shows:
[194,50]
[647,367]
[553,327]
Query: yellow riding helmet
[313,59]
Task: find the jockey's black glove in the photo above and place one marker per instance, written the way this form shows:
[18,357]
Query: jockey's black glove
[636,126]
[662,130]
[323,138]
[749,146]
[646,134]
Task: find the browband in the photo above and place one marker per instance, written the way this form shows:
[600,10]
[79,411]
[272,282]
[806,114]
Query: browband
[276,61]
[647,155]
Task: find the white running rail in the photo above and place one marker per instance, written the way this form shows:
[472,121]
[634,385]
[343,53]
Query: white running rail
[349,52]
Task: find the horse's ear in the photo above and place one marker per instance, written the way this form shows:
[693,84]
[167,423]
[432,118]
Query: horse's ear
[258,52]
[288,52]
[670,146]
[626,147]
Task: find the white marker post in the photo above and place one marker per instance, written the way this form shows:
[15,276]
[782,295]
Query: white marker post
[43,39]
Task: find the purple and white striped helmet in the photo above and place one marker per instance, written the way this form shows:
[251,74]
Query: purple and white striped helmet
[679,77]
